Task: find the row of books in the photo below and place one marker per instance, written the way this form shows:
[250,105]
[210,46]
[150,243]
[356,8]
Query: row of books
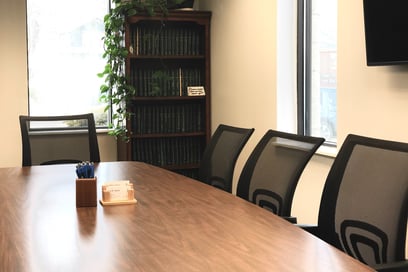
[164,40]
[165,82]
[167,118]
[168,151]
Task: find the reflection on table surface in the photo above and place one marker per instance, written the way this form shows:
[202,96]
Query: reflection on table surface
[178,224]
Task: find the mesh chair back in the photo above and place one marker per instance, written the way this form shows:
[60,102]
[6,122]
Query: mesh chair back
[58,139]
[364,203]
[221,154]
[273,169]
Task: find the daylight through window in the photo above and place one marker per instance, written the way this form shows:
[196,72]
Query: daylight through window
[64,56]
[318,39]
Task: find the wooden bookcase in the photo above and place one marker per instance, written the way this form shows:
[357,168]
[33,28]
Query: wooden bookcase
[168,127]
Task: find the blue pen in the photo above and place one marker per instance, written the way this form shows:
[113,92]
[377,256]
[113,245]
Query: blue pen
[85,170]
[92,172]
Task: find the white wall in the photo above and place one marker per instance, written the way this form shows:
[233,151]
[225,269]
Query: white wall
[13,85]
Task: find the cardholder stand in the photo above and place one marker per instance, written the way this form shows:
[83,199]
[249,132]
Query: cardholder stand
[86,192]
[118,193]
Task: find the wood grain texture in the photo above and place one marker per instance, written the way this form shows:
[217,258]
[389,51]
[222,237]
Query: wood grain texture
[178,224]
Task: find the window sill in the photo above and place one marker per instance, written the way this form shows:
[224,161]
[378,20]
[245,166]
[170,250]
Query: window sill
[327,151]
[102,130]
[66,131]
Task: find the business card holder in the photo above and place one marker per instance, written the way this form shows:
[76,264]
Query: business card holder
[118,193]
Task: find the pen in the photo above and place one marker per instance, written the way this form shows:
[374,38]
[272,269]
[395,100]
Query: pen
[85,170]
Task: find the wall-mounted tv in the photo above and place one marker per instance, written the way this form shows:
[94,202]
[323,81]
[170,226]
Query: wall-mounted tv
[386,31]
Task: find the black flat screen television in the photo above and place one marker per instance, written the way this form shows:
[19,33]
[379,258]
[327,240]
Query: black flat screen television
[386,31]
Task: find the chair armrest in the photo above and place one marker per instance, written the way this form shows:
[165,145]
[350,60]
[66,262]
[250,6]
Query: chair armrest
[217,182]
[291,219]
[401,266]
[311,229]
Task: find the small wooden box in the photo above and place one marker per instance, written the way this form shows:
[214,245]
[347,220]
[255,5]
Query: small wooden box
[86,192]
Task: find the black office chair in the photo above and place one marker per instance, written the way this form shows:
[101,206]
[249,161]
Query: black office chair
[58,139]
[364,204]
[273,169]
[221,154]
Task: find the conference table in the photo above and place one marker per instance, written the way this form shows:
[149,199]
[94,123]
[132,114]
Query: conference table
[177,224]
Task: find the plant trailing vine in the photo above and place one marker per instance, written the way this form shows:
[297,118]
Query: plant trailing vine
[116,90]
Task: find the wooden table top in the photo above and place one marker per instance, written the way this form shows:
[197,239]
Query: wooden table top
[178,224]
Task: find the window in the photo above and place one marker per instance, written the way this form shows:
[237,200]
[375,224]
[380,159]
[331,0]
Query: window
[64,56]
[317,66]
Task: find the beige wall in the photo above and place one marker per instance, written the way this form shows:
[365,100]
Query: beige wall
[13,85]
[243,66]
[13,78]
[243,63]
[371,101]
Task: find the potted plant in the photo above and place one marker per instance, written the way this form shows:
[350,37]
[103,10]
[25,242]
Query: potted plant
[116,90]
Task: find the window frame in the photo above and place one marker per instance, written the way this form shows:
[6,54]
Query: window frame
[304,70]
[303,66]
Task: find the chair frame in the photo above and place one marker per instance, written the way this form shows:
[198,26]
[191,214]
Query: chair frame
[26,146]
[249,167]
[327,210]
[214,181]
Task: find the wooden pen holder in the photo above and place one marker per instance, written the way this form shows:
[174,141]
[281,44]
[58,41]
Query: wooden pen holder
[86,192]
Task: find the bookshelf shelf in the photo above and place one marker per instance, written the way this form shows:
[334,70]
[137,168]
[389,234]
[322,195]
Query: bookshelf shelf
[156,99]
[168,54]
[175,57]
[168,135]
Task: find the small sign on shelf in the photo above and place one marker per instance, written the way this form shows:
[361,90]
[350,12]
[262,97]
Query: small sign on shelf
[195,91]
